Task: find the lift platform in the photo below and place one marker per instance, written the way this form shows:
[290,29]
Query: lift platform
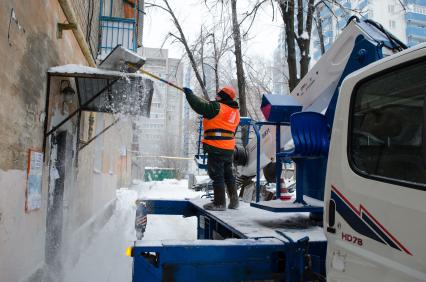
[233,243]
[264,241]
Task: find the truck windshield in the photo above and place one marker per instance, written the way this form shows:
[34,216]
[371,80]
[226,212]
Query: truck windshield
[387,131]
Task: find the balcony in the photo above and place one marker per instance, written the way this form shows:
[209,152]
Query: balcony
[117,31]
[342,23]
[339,12]
[328,34]
[415,18]
[347,5]
[362,5]
[416,2]
[416,32]
[412,42]
[117,28]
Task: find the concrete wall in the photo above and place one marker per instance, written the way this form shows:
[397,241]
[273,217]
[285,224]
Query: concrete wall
[87,13]
[29,46]
[19,232]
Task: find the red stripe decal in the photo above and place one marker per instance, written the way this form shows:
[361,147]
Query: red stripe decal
[363,209]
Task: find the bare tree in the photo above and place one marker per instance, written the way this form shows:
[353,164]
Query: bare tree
[202,40]
[239,60]
[298,16]
[180,37]
[237,37]
[259,82]
[290,12]
[318,22]
[220,40]
[216,45]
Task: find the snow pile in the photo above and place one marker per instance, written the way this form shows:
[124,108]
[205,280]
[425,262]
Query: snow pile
[85,70]
[104,259]
[166,189]
[169,227]
[201,179]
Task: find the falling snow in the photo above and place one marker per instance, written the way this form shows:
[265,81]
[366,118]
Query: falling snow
[104,259]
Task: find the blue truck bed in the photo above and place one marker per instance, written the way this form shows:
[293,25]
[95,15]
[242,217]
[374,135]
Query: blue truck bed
[231,245]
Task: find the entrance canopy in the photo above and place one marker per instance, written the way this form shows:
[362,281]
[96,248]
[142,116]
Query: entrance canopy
[114,87]
[108,91]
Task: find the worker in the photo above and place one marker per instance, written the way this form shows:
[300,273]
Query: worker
[220,120]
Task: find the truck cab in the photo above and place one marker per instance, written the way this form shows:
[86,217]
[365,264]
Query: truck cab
[376,173]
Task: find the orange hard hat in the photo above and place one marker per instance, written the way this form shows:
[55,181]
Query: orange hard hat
[228,90]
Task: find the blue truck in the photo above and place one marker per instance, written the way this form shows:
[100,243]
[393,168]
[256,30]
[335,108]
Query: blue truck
[355,128]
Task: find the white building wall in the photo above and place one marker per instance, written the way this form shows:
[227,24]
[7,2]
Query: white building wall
[161,133]
[280,68]
[390,14]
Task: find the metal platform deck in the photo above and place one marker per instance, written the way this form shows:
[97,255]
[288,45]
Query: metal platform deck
[238,241]
[250,222]
[289,206]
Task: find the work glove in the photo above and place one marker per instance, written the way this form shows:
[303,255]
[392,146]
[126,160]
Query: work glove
[187,90]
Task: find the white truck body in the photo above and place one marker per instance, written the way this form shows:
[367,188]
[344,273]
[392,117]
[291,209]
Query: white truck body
[375,187]
[314,92]
[376,173]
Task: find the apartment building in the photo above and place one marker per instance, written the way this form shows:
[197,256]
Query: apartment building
[280,68]
[162,133]
[57,181]
[404,19]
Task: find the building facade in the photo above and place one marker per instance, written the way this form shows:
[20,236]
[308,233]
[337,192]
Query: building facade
[404,19]
[280,68]
[52,197]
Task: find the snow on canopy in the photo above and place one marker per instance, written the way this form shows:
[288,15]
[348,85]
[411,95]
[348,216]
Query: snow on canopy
[127,93]
[77,70]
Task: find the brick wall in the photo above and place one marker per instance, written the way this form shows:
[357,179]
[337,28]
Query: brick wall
[87,13]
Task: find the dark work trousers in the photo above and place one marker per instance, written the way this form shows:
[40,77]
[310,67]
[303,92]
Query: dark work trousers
[219,168]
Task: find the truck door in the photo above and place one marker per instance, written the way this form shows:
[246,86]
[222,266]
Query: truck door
[375,210]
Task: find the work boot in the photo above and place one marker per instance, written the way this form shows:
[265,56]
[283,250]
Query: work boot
[219,195]
[234,201]
[213,207]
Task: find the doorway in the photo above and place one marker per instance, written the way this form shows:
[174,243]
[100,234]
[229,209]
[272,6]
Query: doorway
[54,220]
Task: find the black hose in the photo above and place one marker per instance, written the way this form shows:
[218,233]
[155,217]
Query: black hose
[396,43]
[351,19]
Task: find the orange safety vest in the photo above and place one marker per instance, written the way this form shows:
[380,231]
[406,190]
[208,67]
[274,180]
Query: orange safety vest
[219,131]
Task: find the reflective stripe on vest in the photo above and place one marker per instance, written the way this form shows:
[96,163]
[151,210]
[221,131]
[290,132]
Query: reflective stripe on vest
[219,131]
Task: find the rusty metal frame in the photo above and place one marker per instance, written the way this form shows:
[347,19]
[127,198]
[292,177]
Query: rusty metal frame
[77,111]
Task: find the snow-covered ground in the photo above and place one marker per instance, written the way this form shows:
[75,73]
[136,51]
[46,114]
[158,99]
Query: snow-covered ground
[104,259]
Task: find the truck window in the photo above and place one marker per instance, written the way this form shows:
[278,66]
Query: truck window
[387,132]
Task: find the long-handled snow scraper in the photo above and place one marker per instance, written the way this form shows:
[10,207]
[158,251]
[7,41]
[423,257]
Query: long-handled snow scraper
[160,79]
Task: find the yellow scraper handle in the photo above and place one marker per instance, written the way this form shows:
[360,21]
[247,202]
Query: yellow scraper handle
[160,79]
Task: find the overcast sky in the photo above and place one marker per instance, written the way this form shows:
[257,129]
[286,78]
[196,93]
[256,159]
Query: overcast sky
[192,13]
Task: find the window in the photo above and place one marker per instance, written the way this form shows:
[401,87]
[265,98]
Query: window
[391,9]
[392,24]
[387,130]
